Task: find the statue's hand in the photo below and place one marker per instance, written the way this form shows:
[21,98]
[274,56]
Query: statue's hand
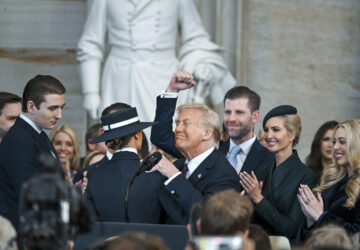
[91,104]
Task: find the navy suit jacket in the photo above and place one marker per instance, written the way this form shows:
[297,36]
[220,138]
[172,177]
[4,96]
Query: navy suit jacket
[163,137]
[18,158]
[80,174]
[214,174]
[149,202]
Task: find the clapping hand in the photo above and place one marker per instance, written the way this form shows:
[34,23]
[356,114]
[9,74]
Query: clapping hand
[251,186]
[312,206]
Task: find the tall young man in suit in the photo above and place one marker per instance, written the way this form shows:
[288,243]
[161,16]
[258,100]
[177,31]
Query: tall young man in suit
[203,170]
[10,109]
[241,104]
[43,102]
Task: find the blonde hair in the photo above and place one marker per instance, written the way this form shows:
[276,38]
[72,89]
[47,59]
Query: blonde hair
[292,124]
[329,236]
[335,172]
[75,161]
[209,120]
[90,156]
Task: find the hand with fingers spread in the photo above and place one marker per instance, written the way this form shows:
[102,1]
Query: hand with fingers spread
[165,167]
[311,205]
[180,81]
[251,186]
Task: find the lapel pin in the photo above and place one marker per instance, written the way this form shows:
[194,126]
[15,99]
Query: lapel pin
[199,176]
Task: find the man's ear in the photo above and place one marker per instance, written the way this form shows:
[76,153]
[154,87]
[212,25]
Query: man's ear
[101,131]
[255,116]
[207,135]
[30,105]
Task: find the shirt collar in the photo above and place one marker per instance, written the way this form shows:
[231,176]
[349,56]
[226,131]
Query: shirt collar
[194,163]
[109,155]
[31,123]
[245,146]
[127,149]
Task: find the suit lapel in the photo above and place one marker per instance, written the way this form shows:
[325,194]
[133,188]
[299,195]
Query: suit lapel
[141,5]
[224,146]
[201,171]
[253,158]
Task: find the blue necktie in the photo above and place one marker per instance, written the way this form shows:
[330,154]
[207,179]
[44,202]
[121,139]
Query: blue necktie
[233,154]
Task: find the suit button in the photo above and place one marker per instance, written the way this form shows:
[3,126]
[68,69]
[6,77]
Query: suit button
[172,192]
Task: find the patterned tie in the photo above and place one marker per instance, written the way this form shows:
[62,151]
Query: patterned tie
[184,170]
[48,142]
[233,154]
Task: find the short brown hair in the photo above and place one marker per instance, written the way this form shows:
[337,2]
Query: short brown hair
[225,213]
[254,100]
[38,87]
[6,97]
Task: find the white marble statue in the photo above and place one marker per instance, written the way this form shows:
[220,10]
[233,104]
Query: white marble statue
[141,35]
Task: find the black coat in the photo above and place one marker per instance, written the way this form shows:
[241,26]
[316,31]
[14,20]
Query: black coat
[214,174]
[19,150]
[279,212]
[149,202]
[334,212]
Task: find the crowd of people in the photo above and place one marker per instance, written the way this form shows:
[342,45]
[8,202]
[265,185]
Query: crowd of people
[238,186]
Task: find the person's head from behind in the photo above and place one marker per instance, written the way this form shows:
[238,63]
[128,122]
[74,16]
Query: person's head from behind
[93,132]
[194,217]
[197,129]
[329,237]
[122,129]
[260,237]
[321,146]
[10,109]
[43,100]
[7,235]
[282,127]
[66,144]
[241,112]
[135,241]
[226,213]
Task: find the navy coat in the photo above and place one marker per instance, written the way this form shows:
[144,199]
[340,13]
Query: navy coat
[19,150]
[214,174]
[149,202]
[334,212]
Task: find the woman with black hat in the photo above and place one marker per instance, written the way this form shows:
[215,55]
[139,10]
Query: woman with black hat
[276,205]
[148,201]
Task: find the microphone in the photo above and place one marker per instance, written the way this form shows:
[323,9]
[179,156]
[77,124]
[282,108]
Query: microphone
[148,163]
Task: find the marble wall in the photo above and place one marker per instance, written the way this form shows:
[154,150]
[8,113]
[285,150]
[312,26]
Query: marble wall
[304,53]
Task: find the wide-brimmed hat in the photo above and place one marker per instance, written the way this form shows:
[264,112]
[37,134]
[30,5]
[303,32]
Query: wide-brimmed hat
[119,124]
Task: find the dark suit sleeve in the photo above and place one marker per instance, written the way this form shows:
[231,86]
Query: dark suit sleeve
[186,194]
[328,217]
[162,134]
[20,161]
[286,224]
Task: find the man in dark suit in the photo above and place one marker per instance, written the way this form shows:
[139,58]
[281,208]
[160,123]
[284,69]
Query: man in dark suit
[43,101]
[148,201]
[243,150]
[203,170]
[10,109]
